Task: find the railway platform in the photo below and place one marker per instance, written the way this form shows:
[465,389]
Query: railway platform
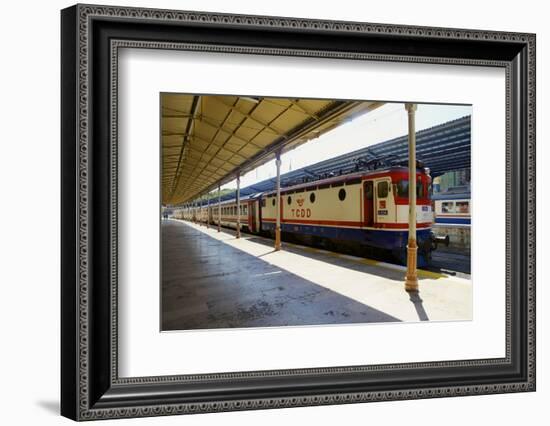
[213,280]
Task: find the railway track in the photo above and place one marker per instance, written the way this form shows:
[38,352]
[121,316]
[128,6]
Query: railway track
[449,261]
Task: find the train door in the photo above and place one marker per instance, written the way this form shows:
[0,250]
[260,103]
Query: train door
[384,205]
[368,203]
[258,216]
[252,216]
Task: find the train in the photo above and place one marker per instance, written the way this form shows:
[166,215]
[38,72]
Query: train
[366,212]
[452,207]
[452,215]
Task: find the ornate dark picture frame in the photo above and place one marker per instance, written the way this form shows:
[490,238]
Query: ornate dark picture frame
[91,388]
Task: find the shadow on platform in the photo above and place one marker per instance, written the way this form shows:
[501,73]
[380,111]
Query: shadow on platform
[208,284]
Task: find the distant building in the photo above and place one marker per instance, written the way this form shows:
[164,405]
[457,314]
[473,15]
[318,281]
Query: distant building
[452,179]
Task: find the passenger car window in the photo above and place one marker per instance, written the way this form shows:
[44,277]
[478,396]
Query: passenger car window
[448,207]
[462,207]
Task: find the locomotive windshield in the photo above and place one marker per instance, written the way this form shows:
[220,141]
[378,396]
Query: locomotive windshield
[403,189]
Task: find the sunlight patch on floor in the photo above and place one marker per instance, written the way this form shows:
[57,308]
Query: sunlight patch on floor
[377,284]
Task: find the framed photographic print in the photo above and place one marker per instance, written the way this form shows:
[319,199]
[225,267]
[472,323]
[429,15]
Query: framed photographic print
[263,212]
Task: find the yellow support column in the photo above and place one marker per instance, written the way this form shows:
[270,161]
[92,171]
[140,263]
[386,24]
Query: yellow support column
[411,279]
[219,210]
[238,205]
[208,212]
[278,203]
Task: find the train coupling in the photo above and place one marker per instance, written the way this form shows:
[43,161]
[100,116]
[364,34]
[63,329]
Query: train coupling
[439,239]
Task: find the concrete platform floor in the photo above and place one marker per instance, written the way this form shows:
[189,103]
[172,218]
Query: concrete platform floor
[214,280]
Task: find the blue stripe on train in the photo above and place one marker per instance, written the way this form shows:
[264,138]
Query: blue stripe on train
[452,220]
[394,241]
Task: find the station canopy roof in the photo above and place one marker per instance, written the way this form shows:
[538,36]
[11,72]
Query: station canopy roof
[442,148]
[207,140]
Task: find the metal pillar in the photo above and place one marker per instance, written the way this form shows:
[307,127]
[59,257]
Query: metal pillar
[208,212]
[411,279]
[219,210]
[238,205]
[278,203]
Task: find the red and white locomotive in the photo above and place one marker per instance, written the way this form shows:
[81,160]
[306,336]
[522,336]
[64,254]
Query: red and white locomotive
[367,210]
